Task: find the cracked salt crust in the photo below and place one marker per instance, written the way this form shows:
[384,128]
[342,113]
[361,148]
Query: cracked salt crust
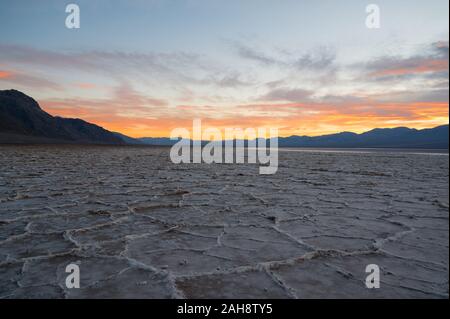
[141,227]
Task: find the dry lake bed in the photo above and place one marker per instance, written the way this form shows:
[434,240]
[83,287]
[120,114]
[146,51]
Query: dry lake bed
[139,226]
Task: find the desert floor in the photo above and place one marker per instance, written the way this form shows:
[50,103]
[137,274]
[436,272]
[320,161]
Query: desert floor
[139,226]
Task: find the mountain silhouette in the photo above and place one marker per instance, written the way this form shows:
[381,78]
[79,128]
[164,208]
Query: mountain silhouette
[400,137]
[23,121]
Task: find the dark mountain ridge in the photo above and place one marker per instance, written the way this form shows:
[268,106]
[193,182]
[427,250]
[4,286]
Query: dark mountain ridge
[399,137]
[22,120]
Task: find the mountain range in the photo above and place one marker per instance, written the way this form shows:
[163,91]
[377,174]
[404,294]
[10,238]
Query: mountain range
[399,137]
[23,121]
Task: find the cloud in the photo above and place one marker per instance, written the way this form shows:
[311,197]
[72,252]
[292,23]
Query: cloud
[125,93]
[17,78]
[125,101]
[391,67]
[441,48]
[316,116]
[292,95]
[249,53]
[317,59]
[426,95]
[320,59]
[119,65]
[176,69]
[230,80]
[297,103]
[85,85]
[433,61]
[134,114]
[5,74]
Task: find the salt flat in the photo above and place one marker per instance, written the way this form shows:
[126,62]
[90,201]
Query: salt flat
[139,226]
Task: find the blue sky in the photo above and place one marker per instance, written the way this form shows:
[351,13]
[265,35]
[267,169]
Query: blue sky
[203,25]
[142,63]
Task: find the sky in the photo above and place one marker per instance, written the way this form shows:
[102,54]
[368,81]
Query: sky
[311,67]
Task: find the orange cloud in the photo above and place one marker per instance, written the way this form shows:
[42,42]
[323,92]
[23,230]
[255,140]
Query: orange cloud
[290,118]
[5,74]
[422,67]
[86,86]
[27,80]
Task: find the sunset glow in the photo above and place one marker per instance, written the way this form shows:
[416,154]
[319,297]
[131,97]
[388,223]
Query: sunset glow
[233,70]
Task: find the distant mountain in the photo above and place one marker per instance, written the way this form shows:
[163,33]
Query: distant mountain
[400,137]
[23,121]
[128,140]
[157,141]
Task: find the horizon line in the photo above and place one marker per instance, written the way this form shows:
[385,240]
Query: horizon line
[294,135]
